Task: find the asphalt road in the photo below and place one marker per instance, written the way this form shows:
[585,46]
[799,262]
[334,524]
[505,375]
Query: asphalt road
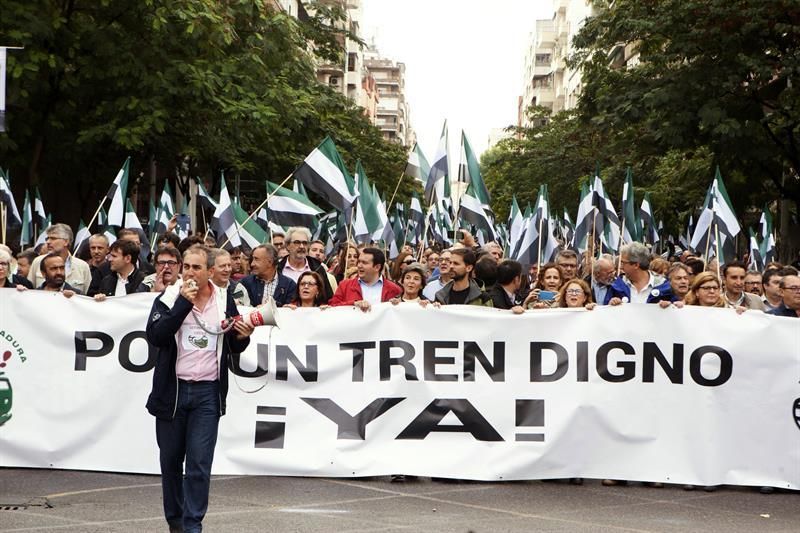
[55,500]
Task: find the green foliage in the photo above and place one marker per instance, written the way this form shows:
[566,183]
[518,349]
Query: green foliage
[198,85]
[714,86]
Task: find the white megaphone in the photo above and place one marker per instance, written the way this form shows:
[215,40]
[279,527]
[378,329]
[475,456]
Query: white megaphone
[263,315]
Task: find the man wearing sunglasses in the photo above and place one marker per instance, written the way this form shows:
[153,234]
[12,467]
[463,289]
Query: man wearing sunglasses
[168,267]
[299,260]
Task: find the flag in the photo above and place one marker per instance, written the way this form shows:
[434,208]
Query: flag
[367,221]
[43,232]
[756,259]
[102,219]
[117,194]
[717,215]
[469,171]
[324,172]
[26,236]
[132,222]
[439,176]
[7,199]
[567,230]
[417,166]
[516,223]
[607,219]
[631,229]
[290,208]
[585,220]
[224,220]
[538,244]
[206,201]
[767,236]
[249,232]
[472,211]
[166,209]
[81,240]
[650,232]
[39,215]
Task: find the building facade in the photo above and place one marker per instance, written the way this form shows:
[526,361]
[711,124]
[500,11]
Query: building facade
[549,82]
[393,112]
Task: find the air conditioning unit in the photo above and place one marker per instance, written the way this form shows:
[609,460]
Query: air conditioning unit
[334,81]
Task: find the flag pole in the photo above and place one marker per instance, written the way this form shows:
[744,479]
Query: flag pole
[94,217]
[539,253]
[591,255]
[262,204]
[350,225]
[3,215]
[621,238]
[716,233]
[396,187]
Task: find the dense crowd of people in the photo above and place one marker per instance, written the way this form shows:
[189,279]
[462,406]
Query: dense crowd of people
[199,284]
[295,271]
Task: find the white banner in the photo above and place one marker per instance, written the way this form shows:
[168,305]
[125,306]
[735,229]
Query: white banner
[700,396]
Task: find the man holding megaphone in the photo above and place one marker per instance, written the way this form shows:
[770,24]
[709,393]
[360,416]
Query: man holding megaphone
[190,383]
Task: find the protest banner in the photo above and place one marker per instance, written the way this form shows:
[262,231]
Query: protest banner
[693,395]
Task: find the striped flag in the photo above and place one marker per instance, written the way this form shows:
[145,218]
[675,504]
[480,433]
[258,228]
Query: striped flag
[607,219]
[717,215]
[249,232]
[289,208]
[26,236]
[472,211]
[117,194]
[650,232]
[438,182]
[7,199]
[166,208]
[417,166]
[367,220]
[206,201]
[224,220]
[767,236]
[631,231]
[469,171]
[516,223]
[324,172]
[81,239]
[40,218]
[132,222]
[585,220]
[756,259]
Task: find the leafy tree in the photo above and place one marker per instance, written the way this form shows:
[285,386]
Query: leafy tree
[197,86]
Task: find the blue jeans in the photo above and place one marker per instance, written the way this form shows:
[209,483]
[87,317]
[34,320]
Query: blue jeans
[191,435]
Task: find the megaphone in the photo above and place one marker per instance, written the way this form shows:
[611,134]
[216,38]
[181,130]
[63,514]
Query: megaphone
[263,315]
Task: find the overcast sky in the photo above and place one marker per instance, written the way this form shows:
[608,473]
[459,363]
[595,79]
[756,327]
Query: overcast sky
[464,62]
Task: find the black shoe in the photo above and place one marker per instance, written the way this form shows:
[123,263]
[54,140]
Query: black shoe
[175,529]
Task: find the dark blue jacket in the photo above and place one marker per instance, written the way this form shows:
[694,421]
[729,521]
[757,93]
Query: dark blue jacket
[162,325]
[620,289]
[284,291]
[782,310]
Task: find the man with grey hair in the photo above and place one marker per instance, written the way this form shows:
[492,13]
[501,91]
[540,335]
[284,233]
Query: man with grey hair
[602,278]
[568,261]
[221,276]
[638,284]
[299,261]
[265,280]
[494,250]
[58,241]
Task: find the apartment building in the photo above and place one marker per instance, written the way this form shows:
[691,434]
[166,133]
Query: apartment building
[393,113]
[549,82]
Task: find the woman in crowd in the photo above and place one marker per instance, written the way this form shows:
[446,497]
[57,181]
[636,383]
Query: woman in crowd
[399,265]
[550,279]
[706,291]
[309,291]
[347,267]
[412,281]
[7,279]
[575,293]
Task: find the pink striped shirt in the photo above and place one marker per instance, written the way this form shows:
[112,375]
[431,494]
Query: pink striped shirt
[197,349]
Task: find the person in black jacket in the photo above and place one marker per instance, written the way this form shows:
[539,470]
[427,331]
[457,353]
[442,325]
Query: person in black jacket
[299,260]
[124,278]
[505,292]
[266,278]
[190,383]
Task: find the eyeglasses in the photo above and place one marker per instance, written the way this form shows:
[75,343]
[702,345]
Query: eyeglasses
[3,264]
[308,283]
[793,288]
[171,263]
[708,287]
[300,243]
[574,292]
